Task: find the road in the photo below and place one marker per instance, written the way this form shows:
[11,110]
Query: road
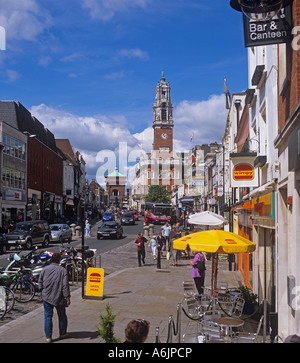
[103,245]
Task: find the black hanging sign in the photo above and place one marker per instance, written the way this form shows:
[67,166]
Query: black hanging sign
[274,31]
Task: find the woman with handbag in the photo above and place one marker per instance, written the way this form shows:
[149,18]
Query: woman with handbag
[198,271]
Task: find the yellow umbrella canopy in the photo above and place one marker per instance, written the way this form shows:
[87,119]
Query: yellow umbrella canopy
[215,241]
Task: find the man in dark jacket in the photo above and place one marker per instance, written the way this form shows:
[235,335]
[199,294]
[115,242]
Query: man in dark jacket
[54,284]
[140,243]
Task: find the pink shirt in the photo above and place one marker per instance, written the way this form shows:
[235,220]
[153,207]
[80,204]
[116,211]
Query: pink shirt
[195,271]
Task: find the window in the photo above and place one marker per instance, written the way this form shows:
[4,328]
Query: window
[13,178]
[164,148]
[14,147]
[164,111]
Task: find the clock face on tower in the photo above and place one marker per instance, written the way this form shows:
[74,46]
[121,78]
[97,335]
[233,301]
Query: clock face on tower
[164,136]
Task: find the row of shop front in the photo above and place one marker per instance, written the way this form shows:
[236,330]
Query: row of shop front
[17,207]
[255,219]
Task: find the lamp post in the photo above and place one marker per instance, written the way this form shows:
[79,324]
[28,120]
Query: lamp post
[259,10]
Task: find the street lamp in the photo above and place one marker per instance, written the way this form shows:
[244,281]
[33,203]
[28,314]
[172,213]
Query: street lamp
[259,10]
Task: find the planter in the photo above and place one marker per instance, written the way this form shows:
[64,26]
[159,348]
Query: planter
[249,308]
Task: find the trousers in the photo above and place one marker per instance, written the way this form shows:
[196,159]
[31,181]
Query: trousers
[141,256]
[199,282]
[48,315]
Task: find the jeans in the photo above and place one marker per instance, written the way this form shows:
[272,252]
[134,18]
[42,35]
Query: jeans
[48,315]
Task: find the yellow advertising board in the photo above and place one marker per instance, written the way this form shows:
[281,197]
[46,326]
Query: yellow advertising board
[94,282]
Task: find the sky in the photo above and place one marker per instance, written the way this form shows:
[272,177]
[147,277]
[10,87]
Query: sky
[88,69]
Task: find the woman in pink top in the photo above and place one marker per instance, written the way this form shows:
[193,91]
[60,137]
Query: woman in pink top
[198,274]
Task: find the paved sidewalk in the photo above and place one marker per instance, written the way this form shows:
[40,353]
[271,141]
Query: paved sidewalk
[133,292]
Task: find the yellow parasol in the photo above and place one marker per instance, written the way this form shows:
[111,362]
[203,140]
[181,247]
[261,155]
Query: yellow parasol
[215,241]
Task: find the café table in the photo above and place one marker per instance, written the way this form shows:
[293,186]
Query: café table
[227,323]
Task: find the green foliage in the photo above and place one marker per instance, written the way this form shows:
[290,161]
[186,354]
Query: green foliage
[106,328]
[158,194]
[248,296]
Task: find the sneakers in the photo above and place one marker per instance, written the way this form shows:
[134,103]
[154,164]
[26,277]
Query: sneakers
[48,340]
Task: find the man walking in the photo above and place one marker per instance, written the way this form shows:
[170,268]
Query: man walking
[140,243]
[54,284]
[166,233]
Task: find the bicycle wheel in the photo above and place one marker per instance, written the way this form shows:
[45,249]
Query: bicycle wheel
[10,299]
[2,302]
[24,290]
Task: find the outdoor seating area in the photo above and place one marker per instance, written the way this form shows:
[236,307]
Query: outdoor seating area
[217,317]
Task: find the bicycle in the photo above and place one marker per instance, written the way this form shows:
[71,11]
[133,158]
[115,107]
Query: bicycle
[20,282]
[2,302]
[7,300]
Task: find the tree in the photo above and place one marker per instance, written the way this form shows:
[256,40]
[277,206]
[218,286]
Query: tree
[158,194]
[106,328]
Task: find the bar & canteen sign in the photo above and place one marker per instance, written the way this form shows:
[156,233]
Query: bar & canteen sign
[274,31]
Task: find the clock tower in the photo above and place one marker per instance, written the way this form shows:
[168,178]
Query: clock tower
[163,118]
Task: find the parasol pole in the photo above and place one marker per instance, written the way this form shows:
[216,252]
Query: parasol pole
[216,270]
[212,276]
[214,273]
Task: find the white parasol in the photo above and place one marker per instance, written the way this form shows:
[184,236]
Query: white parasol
[207,218]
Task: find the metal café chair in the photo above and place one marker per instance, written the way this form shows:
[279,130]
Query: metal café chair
[253,337]
[226,307]
[196,337]
[193,314]
[238,307]
[211,330]
[189,288]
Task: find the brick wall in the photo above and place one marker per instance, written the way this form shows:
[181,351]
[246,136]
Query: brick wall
[44,168]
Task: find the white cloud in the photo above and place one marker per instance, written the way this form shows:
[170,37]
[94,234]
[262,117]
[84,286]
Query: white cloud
[89,135]
[133,53]
[114,75]
[12,75]
[106,9]
[145,139]
[205,119]
[72,57]
[23,19]
[44,61]
[94,134]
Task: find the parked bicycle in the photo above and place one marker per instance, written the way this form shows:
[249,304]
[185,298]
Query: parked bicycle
[20,282]
[7,298]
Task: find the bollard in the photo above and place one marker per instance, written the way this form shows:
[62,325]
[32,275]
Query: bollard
[73,226]
[78,231]
[146,232]
[151,230]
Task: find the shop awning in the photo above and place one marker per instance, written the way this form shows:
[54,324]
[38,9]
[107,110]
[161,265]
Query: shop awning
[265,188]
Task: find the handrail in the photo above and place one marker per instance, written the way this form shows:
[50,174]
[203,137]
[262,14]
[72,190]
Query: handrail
[172,327]
[248,317]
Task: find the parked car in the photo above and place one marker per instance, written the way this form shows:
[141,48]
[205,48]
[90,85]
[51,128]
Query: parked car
[27,234]
[61,233]
[110,229]
[4,245]
[127,218]
[108,216]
